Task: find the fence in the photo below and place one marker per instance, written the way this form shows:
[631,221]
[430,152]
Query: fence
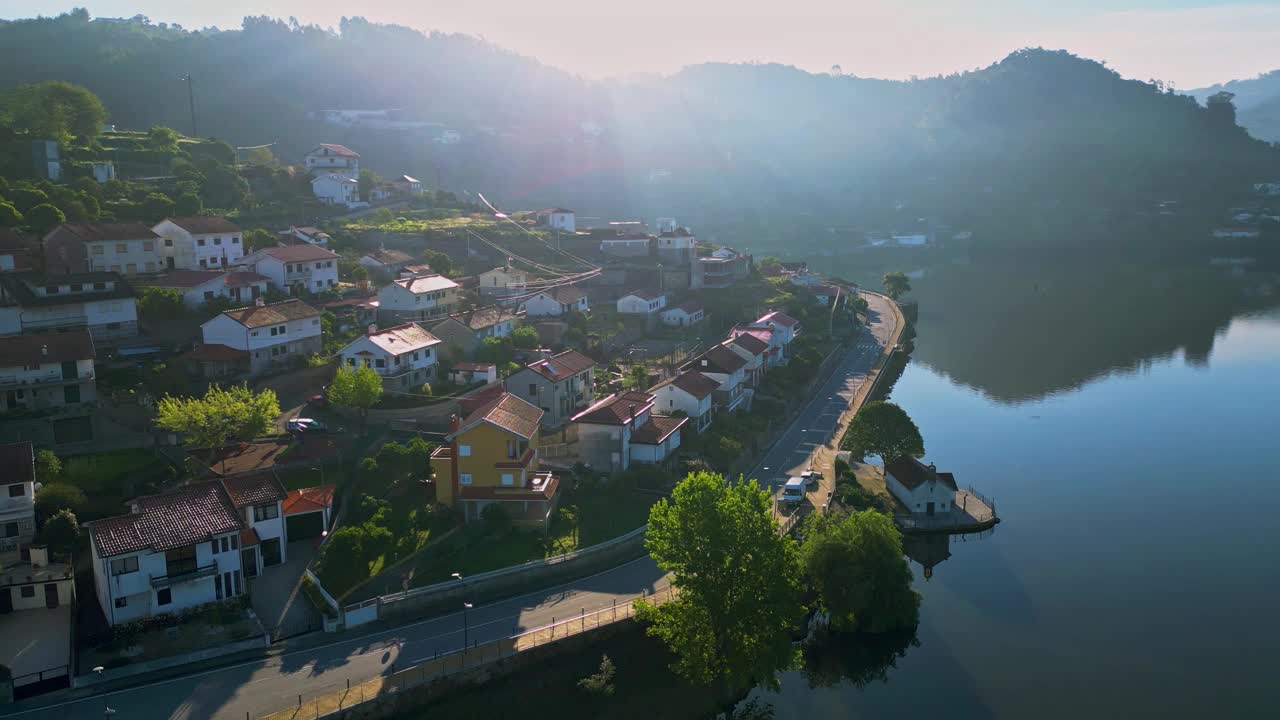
[467,658]
[41,676]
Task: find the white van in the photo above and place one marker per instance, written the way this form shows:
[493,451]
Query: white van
[793,491]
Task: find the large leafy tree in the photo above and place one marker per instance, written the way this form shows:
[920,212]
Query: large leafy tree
[856,564]
[55,110]
[221,415]
[43,218]
[738,582]
[359,389]
[61,532]
[896,284]
[884,429]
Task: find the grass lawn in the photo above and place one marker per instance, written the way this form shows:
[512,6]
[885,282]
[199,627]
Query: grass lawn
[109,479]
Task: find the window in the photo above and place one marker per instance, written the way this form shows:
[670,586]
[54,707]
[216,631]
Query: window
[148,245]
[208,294]
[168,242]
[124,566]
[98,250]
[329,264]
[214,545]
[151,267]
[131,268]
[508,479]
[319,265]
[533,390]
[122,602]
[351,362]
[464,478]
[17,490]
[11,530]
[380,363]
[254,333]
[200,242]
[77,288]
[164,597]
[100,286]
[235,240]
[270,511]
[464,451]
[51,290]
[273,332]
[217,241]
[315,321]
[319,283]
[204,262]
[27,591]
[415,355]
[122,247]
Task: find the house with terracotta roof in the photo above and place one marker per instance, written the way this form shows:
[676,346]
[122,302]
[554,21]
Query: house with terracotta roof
[17,503]
[622,429]
[264,336]
[172,552]
[258,499]
[691,393]
[305,235]
[404,355]
[557,302]
[125,248]
[308,512]
[296,268]
[464,332]
[385,260]
[642,302]
[773,351]
[198,287]
[102,302]
[333,158]
[561,385]
[199,243]
[728,369]
[783,331]
[407,185]
[503,281]
[685,314]
[921,487]
[46,371]
[491,457]
[418,298]
[752,349]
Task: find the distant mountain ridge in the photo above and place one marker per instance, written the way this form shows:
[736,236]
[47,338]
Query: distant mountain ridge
[1248,93]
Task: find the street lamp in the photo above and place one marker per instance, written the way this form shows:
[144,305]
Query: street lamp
[107,710]
[466,623]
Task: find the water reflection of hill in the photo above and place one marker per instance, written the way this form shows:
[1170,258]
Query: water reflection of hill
[1019,334]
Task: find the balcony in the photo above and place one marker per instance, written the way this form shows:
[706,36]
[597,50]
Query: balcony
[182,572]
[65,321]
[49,378]
[23,506]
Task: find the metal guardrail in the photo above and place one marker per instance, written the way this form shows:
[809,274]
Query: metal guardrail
[46,674]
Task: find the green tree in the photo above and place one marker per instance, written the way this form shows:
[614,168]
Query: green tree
[261,156]
[360,389]
[884,429]
[600,683]
[56,110]
[738,581]
[258,238]
[188,204]
[43,218]
[896,284]
[157,206]
[359,275]
[496,350]
[161,304]
[61,532]
[163,138]
[25,198]
[368,181]
[221,415]
[9,215]
[344,561]
[769,265]
[59,496]
[855,562]
[525,338]
[439,262]
[48,467]
[637,377]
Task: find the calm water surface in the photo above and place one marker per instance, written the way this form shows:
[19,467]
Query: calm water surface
[1127,423]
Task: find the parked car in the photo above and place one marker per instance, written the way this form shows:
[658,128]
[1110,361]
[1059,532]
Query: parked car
[305,425]
[793,491]
[811,478]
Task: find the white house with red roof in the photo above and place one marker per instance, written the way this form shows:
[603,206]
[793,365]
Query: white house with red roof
[685,314]
[405,355]
[561,385]
[423,297]
[557,302]
[333,158]
[297,267]
[642,302]
[783,327]
[728,369]
[198,287]
[263,336]
[752,349]
[199,243]
[622,429]
[921,487]
[335,189]
[691,393]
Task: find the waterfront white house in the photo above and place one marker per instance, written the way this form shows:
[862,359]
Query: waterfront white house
[404,355]
[921,487]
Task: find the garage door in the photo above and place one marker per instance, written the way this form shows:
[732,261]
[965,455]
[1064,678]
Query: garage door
[304,526]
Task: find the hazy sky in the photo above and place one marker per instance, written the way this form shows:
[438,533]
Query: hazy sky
[1190,42]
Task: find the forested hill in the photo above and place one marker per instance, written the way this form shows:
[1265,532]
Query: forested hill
[1042,146]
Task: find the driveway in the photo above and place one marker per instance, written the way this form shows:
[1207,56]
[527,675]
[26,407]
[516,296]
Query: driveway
[276,596]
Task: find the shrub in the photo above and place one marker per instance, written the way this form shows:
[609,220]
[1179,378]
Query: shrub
[59,496]
[496,519]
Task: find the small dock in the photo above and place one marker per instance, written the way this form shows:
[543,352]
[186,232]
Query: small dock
[973,512]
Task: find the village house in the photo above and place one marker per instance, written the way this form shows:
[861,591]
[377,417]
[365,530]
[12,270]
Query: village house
[468,373]
[921,488]
[772,353]
[101,302]
[303,235]
[626,245]
[126,248]
[406,185]
[308,512]
[199,243]
[558,219]
[784,330]
[722,268]
[622,428]
[404,355]
[296,268]
[17,504]
[752,349]
[335,189]
[557,302]
[503,281]
[464,332]
[690,393]
[416,270]
[258,499]
[560,385]
[390,262]
[677,246]
[46,371]
[36,600]
[683,315]
[262,336]
[728,369]
[16,251]
[826,295]
[642,302]
[492,457]
[415,299]
[328,158]
[198,287]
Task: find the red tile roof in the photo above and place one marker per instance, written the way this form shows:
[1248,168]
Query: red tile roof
[689,307]
[215,352]
[658,428]
[750,343]
[912,473]
[273,314]
[249,537]
[205,224]
[242,278]
[341,150]
[299,253]
[389,257]
[107,232]
[778,317]
[694,383]
[616,409]
[718,359]
[179,279]
[507,412]
[484,317]
[403,338]
[19,461]
[309,499]
[17,350]
[562,365]
[187,516]
[255,489]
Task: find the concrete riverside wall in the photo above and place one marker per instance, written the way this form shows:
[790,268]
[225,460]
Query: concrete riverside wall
[486,587]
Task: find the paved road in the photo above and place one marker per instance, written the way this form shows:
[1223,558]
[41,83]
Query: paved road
[264,686]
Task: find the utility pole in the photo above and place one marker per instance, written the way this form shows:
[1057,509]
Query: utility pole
[191,100]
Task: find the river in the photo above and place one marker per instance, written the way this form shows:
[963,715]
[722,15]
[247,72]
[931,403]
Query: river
[1127,423]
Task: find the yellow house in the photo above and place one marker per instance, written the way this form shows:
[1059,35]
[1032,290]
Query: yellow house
[492,457]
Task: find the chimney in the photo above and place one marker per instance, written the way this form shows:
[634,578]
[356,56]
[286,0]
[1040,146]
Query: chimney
[454,423]
[704,362]
[373,329]
[44,350]
[39,556]
[631,411]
